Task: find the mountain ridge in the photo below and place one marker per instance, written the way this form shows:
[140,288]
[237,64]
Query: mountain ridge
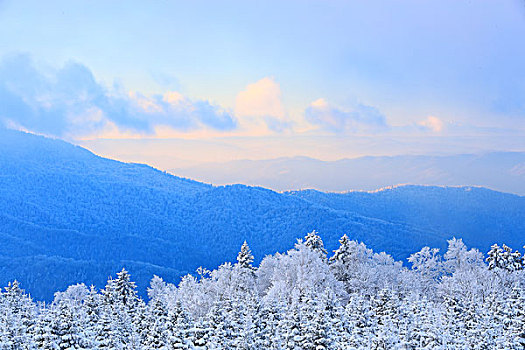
[68,212]
[500,171]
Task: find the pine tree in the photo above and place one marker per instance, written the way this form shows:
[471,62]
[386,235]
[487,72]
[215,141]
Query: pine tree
[246,339]
[335,321]
[512,260]
[120,300]
[384,306]
[293,301]
[341,259]
[157,334]
[266,332]
[42,333]
[199,335]
[343,253]
[106,336]
[245,257]
[92,311]
[515,323]
[507,258]
[234,321]
[181,324]
[488,331]
[429,335]
[325,323]
[496,309]
[125,290]
[309,323]
[495,257]
[218,321]
[473,325]
[454,313]
[407,325]
[384,320]
[92,306]
[358,313]
[314,242]
[65,330]
[19,317]
[290,326]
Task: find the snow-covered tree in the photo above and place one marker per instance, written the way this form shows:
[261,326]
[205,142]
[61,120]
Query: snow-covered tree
[17,318]
[245,257]
[158,289]
[495,257]
[180,325]
[42,332]
[514,323]
[314,242]
[64,328]
[299,299]
[428,264]
[158,326]
[125,290]
[341,260]
[511,260]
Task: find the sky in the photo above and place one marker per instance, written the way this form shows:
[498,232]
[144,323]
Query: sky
[171,83]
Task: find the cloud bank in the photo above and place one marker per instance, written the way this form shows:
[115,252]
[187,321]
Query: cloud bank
[360,118]
[69,102]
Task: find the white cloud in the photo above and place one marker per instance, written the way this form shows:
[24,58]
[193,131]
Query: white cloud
[332,118]
[260,99]
[259,107]
[432,123]
[70,102]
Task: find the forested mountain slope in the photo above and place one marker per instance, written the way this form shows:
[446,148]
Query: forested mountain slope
[478,215]
[67,213]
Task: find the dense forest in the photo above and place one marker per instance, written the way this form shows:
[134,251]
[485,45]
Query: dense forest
[69,216]
[305,298]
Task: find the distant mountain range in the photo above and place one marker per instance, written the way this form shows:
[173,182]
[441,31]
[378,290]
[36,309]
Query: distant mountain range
[502,171]
[68,216]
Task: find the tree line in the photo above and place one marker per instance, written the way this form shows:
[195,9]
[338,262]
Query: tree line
[304,298]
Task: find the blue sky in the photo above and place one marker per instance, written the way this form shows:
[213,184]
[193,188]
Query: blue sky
[337,72]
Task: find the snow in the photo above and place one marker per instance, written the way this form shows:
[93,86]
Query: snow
[302,299]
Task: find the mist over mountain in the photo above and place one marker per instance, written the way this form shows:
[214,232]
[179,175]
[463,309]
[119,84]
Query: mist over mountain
[502,171]
[68,216]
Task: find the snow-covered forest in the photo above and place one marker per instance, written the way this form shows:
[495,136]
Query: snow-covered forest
[305,298]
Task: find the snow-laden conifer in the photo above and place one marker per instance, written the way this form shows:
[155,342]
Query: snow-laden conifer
[313,241]
[298,299]
[245,257]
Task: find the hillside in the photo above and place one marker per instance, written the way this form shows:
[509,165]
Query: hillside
[478,215]
[69,214]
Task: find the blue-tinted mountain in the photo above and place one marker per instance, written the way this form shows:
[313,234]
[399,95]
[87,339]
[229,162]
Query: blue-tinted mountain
[476,214]
[68,216]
